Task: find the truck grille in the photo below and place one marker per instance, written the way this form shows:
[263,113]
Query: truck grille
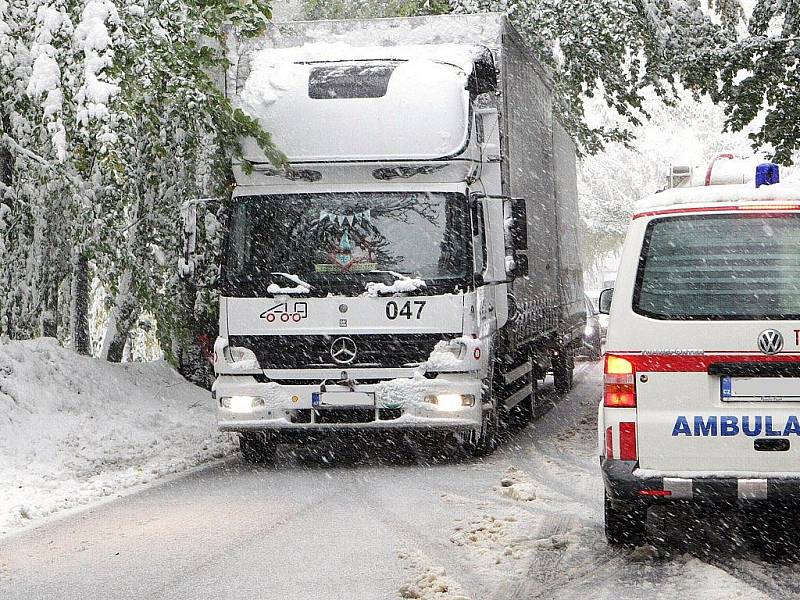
[309,351]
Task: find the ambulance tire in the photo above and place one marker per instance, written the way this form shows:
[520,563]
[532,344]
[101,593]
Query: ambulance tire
[563,366]
[257,447]
[626,522]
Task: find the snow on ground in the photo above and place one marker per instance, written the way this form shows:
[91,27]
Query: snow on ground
[74,430]
[537,532]
[428,583]
[523,523]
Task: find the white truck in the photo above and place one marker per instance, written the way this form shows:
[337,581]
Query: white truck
[417,264]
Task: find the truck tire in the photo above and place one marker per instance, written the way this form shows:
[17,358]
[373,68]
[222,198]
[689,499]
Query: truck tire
[626,522]
[483,442]
[257,447]
[563,365]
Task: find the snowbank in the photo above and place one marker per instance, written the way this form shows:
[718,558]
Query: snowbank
[74,429]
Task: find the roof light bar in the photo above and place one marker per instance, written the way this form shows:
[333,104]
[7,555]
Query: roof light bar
[767,174]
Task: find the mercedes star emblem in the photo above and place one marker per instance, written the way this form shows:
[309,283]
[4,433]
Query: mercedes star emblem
[344,350]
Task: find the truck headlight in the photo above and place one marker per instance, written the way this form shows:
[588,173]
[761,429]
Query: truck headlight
[242,404]
[588,330]
[450,402]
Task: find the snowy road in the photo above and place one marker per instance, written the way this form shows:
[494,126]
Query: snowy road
[314,527]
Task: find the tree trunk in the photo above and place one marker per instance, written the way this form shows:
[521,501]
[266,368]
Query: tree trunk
[191,357]
[120,321]
[79,310]
[6,158]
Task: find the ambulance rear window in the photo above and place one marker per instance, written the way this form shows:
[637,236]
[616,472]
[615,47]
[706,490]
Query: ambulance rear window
[720,267]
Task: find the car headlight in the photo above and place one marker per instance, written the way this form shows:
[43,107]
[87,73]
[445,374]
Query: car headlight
[450,402]
[588,330]
[242,404]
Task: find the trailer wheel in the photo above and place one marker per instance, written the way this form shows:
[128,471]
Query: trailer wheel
[257,447]
[625,522]
[563,365]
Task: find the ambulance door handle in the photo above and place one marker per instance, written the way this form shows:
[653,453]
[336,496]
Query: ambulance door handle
[771,444]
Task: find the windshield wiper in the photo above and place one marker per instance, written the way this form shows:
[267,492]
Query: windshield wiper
[300,286]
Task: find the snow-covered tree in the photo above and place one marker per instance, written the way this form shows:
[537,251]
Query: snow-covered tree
[361,9]
[617,50]
[689,133]
[110,117]
[757,78]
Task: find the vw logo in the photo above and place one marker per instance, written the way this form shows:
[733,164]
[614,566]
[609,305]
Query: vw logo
[770,341]
[344,350]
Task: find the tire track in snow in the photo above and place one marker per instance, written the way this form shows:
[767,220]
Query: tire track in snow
[758,581]
[420,545]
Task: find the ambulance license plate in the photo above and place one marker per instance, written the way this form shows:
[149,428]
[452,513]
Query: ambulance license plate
[759,389]
[342,399]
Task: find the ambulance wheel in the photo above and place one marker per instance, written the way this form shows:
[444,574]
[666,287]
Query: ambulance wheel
[626,522]
[563,365]
[483,442]
[257,447]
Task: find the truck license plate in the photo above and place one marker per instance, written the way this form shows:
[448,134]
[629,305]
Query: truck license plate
[342,399]
[760,389]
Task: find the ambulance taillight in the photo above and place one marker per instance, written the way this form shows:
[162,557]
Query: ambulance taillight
[619,383]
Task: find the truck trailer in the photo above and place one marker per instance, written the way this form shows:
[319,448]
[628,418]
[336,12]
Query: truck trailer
[416,265]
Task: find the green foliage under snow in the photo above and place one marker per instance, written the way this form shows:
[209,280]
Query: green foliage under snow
[110,118]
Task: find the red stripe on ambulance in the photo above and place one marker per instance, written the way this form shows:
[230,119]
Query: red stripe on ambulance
[675,363]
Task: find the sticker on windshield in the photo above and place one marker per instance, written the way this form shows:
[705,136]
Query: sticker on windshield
[350,243]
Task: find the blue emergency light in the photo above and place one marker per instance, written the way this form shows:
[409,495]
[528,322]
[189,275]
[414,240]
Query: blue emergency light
[767,174]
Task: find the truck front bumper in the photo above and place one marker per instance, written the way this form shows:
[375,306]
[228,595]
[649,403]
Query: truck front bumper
[625,481]
[395,404]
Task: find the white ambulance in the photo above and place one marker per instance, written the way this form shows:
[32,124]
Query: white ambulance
[702,367]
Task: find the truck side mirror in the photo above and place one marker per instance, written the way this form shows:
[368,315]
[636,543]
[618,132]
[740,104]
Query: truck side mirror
[516,226]
[604,302]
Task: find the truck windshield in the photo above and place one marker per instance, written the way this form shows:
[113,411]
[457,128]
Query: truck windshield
[720,267]
[337,242]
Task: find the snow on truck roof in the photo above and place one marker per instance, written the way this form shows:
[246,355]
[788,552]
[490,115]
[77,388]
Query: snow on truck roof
[716,197]
[462,56]
[361,103]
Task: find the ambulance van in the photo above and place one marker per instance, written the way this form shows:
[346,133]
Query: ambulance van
[701,398]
